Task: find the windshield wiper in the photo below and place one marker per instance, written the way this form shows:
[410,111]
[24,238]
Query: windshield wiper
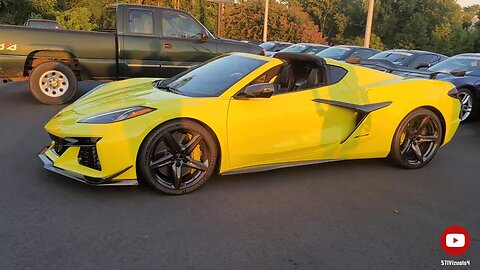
[166,88]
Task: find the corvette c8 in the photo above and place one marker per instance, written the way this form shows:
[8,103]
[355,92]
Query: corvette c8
[243,113]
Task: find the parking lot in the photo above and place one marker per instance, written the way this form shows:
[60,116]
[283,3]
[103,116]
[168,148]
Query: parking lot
[346,215]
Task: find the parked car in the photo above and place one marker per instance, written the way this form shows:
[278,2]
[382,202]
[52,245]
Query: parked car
[463,71]
[42,23]
[410,58]
[308,48]
[271,47]
[343,52]
[227,116]
[136,41]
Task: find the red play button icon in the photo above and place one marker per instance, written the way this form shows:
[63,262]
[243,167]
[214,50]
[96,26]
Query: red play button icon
[455,240]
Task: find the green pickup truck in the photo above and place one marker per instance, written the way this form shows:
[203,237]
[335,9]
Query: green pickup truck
[135,41]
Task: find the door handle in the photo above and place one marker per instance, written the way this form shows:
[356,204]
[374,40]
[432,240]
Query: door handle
[167,46]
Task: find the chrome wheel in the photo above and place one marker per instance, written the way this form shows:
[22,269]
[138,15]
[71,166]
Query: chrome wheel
[53,83]
[420,139]
[180,159]
[466,100]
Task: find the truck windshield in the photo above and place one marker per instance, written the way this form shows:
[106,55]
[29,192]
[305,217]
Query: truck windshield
[214,77]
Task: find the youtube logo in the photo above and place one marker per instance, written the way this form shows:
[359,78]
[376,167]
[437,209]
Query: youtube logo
[455,240]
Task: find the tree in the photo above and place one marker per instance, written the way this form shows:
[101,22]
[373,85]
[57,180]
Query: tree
[77,18]
[244,20]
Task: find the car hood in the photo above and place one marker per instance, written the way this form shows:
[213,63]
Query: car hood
[121,94]
[230,45]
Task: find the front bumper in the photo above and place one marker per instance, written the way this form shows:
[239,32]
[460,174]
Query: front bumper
[108,181]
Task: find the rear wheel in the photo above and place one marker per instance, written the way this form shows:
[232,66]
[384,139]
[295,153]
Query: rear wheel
[416,140]
[177,157]
[53,83]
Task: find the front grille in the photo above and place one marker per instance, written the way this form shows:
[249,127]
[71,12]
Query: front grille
[59,149]
[87,156]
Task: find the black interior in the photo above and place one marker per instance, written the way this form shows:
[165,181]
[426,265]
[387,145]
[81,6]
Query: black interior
[299,72]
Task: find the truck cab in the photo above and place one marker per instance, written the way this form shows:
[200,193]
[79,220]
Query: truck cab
[133,41]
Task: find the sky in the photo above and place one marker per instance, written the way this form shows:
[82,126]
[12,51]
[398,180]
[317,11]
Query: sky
[466,3]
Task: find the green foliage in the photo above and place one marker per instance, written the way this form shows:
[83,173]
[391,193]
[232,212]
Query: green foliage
[436,25]
[289,23]
[375,42]
[77,18]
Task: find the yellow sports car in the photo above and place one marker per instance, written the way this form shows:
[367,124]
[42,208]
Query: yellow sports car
[243,113]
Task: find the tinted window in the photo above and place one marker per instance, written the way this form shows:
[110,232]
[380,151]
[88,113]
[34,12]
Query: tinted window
[334,52]
[297,48]
[268,45]
[141,21]
[179,25]
[469,64]
[214,77]
[336,74]
[399,58]
[280,47]
[315,49]
[44,24]
[423,59]
[363,54]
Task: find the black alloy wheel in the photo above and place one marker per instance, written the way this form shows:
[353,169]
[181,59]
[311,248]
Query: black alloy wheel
[416,140]
[177,157]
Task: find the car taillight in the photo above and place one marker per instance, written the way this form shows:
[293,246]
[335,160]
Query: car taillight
[263,52]
[454,93]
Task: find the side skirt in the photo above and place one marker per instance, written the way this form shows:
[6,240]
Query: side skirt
[271,167]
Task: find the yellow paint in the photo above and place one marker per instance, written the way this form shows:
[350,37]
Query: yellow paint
[256,132]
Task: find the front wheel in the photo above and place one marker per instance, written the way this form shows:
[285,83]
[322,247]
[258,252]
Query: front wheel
[53,83]
[468,108]
[177,157]
[416,140]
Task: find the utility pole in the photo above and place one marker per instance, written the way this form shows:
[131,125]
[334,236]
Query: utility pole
[219,18]
[368,29]
[265,22]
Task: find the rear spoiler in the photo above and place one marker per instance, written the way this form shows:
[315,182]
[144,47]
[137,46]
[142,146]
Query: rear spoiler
[389,67]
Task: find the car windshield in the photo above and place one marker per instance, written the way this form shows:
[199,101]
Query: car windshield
[470,64]
[296,48]
[268,45]
[212,78]
[315,49]
[399,58]
[334,52]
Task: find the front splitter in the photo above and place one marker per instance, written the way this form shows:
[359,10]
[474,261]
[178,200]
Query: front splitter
[48,164]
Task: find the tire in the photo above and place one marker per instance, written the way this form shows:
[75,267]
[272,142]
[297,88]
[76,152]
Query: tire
[469,108]
[177,157]
[53,83]
[416,140]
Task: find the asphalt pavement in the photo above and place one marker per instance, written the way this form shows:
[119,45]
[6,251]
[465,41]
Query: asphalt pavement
[362,214]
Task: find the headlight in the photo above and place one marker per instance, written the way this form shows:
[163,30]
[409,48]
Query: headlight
[118,115]
[91,91]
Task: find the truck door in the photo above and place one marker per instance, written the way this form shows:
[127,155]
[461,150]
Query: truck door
[139,44]
[184,42]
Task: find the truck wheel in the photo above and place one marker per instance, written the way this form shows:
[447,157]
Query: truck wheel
[53,83]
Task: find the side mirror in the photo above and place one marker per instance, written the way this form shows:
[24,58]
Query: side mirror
[204,37]
[458,72]
[422,65]
[261,90]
